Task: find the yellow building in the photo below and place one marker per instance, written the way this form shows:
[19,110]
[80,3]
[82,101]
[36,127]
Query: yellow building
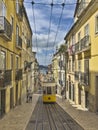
[12,46]
[82,70]
[55,68]
[27,55]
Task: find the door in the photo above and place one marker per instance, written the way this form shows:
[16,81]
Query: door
[17,94]
[86,100]
[79,95]
[11,98]
[2,103]
[96,94]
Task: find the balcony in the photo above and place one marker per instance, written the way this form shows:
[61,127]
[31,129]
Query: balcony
[61,65]
[82,6]
[18,74]
[77,47]
[85,78]
[5,78]
[27,66]
[5,29]
[83,45]
[18,42]
[19,11]
[28,43]
[76,75]
[72,50]
[85,42]
[82,78]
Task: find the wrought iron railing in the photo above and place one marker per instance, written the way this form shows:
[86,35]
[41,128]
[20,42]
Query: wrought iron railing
[76,75]
[18,41]
[28,43]
[19,11]
[5,28]
[81,7]
[83,44]
[82,77]
[5,77]
[18,74]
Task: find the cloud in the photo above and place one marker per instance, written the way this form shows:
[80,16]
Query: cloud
[46,35]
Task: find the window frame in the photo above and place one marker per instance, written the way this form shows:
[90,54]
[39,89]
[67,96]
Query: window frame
[96,24]
[3,53]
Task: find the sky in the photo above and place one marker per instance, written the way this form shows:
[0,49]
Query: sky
[49,23]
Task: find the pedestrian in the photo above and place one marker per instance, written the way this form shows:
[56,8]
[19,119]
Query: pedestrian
[30,96]
[27,95]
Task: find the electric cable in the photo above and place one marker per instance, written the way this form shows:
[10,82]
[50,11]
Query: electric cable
[35,27]
[52,4]
[49,29]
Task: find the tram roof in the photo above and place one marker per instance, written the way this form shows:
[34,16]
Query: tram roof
[48,84]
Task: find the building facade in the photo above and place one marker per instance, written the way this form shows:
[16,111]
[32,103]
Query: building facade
[58,65]
[82,70]
[15,45]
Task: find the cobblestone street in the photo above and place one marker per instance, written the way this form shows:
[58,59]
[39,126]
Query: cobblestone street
[17,119]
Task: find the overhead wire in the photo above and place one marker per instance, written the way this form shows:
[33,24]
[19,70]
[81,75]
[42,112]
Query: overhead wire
[35,27]
[49,29]
[52,4]
[39,3]
[63,4]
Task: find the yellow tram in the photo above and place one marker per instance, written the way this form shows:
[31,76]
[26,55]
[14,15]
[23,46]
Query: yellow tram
[49,92]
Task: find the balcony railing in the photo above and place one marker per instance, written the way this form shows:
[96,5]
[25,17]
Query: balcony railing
[72,50]
[77,47]
[28,43]
[83,78]
[76,75]
[5,78]
[19,11]
[19,42]
[83,44]
[61,64]
[18,74]
[5,28]
[82,6]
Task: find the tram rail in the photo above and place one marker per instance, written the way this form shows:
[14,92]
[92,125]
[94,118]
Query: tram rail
[51,117]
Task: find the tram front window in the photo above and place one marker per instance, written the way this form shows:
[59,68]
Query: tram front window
[48,90]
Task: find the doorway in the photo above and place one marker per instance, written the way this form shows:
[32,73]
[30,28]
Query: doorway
[2,103]
[11,98]
[96,94]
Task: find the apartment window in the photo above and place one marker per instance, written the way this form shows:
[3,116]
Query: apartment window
[17,34]
[73,63]
[86,30]
[11,61]
[86,65]
[86,71]
[79,65]
[2,60]
[16,62]
[73,39]
[96,24]
[2,9]
[79,36]
[12,23]
[69,65]
[17,6]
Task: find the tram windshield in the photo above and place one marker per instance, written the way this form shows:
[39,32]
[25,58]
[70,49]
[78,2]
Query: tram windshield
[49,90]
